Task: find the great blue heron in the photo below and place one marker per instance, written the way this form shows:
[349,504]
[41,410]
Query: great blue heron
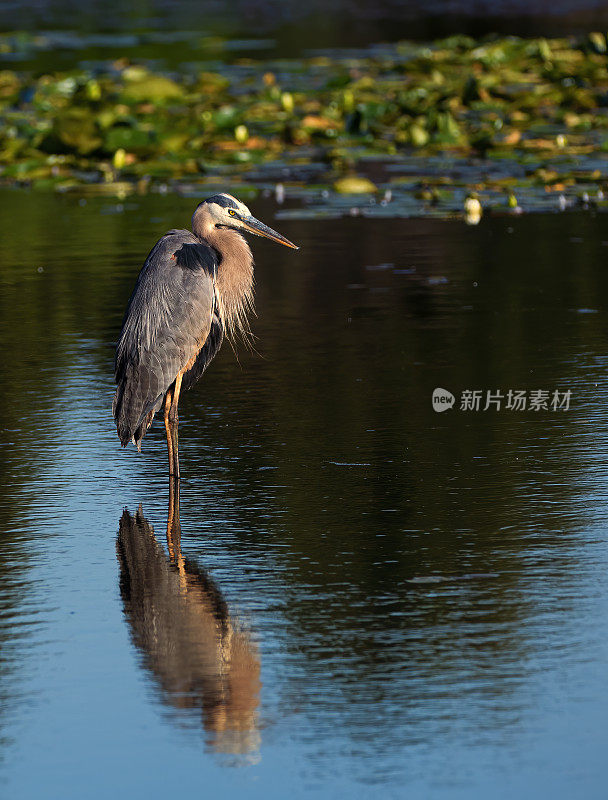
[195,287]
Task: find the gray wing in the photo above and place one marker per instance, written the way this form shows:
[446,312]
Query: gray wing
[166,325]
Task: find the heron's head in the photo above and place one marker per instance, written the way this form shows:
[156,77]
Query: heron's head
[225,211]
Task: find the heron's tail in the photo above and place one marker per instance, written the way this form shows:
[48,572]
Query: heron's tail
[133,411]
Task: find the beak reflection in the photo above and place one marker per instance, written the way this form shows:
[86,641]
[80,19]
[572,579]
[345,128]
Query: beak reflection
[198,656]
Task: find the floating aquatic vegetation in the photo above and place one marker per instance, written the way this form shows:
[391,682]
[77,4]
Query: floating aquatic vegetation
[473,209]
[403,129]
[354,184]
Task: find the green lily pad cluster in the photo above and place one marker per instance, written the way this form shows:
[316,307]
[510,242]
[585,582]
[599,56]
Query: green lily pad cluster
[125,124]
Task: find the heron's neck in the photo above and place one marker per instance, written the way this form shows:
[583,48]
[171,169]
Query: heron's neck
[234,277]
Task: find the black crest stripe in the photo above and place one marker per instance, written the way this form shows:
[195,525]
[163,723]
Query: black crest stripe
[222,200]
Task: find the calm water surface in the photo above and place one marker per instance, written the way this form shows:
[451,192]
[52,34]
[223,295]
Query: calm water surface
[290,27]
[372,596]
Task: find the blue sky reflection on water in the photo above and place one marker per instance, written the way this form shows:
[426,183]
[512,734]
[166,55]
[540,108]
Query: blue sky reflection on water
[426,593]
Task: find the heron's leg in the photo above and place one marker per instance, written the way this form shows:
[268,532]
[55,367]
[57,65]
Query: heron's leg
[168,398]
[174,423]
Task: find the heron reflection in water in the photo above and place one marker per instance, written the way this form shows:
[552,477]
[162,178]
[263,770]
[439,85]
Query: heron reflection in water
[180,622]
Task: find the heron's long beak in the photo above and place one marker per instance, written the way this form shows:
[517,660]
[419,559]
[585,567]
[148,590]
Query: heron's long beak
[255,226]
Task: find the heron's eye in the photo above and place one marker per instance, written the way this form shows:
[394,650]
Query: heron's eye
[232,212]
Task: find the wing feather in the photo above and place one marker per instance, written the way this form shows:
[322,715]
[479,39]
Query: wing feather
[167,323]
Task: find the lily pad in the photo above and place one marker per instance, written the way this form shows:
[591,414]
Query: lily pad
[355,184]
[134,140]
[153,88]
[77,130]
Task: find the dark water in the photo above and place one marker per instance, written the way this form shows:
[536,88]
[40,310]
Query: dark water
[372,596]
[178,30]
[344,18]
